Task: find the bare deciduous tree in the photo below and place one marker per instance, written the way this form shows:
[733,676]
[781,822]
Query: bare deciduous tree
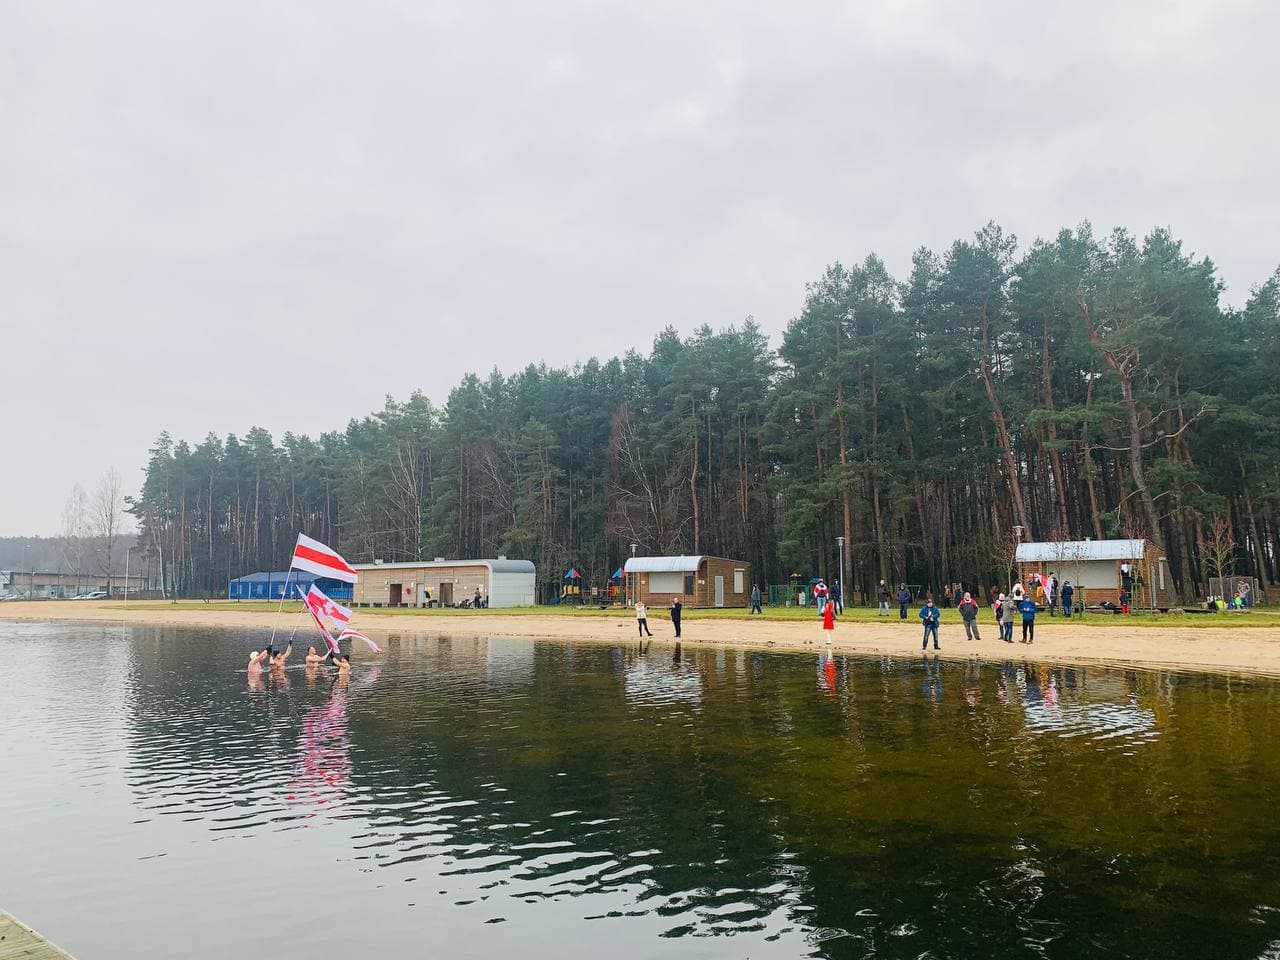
[106,512]
[73,543]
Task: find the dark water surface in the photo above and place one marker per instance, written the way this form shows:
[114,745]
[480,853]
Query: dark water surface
[508,798]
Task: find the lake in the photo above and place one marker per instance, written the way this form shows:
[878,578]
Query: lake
[492,798]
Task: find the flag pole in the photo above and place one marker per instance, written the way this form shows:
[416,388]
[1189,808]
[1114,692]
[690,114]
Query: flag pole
[283,593]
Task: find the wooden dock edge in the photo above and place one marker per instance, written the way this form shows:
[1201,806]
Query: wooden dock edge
[20,942]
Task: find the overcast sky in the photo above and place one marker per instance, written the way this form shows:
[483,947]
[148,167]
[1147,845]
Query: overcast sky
[221,214]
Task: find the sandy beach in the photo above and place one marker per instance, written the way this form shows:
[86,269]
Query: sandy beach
[1255,650]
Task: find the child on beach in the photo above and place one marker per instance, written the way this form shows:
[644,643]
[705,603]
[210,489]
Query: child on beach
[829,619]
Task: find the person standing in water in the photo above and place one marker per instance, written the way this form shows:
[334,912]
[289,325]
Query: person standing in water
[929,616]
[642,619]
[676,609]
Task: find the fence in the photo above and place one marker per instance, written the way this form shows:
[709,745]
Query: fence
[1226,588]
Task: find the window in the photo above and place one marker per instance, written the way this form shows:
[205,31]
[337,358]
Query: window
[688,585]
[739,580]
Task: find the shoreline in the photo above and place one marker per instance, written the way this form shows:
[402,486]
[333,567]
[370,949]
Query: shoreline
[1254,650]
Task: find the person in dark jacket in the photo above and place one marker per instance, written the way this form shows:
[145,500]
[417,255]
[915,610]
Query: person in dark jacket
[904,598]
[676,609]
[837,596]
[882,599]
[1068,595]
[929,616]
[1027,607]
[969,614]
[755,600]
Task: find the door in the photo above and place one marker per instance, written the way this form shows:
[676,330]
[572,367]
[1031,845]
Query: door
[446,594]
[719,591]
[394,599]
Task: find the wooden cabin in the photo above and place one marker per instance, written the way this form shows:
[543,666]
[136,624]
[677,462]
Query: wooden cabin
[697,581]
[1094,569]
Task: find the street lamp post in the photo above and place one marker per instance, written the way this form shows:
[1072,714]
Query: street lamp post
[630,583]
[843,586]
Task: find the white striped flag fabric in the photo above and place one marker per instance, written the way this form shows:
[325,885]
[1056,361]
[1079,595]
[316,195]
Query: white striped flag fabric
[324,631]
[314,557]
[324,609]
[357,635]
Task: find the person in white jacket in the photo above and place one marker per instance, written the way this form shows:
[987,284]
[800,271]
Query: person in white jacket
[642,619]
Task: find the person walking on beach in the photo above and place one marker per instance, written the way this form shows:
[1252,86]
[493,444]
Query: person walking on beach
[929,615]
[904,598]
[1068,594]
[755,600]
[1027,607]
[642,619]
[820,594]
[969,614]
[676,608]
[882,599]
[829,620]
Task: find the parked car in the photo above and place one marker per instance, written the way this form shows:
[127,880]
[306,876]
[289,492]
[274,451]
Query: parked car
[92,595]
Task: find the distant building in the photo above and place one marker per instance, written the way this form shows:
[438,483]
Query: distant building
[42,585]
[698,581]
[501,583]
[1093,567]
[271,586]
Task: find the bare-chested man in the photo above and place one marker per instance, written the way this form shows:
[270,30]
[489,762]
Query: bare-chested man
[277,661]
[313,658]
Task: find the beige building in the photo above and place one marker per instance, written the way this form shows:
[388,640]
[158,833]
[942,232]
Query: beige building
[445,583]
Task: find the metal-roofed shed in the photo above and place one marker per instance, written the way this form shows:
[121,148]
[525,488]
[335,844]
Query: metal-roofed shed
[699,581]
[1095,569]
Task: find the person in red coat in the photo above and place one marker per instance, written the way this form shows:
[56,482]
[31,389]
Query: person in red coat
[829,619]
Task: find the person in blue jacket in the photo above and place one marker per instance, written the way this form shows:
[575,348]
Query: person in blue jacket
[904,598]
[1027,607]
[929,617]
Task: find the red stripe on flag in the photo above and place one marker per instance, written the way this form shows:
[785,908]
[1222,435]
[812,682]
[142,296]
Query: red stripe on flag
[325,559]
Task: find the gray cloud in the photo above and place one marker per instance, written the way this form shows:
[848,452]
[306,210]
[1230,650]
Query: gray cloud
[206,206]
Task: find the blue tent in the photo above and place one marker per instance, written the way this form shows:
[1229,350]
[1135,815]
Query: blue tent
[573,574]
[271,586]
[617,574]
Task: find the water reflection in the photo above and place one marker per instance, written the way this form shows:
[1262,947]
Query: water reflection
[719,802]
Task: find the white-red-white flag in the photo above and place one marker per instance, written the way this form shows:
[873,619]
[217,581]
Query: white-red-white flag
[357,635]
[324,609]
[314,557]
[324,631]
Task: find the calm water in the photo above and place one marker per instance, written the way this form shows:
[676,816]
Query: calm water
[466,798]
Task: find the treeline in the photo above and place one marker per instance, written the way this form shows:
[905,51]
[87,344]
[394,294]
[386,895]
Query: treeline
[1082,388]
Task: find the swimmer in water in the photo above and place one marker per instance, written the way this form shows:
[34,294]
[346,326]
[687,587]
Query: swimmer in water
[313,658]
[257,660]
[343,663]
[277,661]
